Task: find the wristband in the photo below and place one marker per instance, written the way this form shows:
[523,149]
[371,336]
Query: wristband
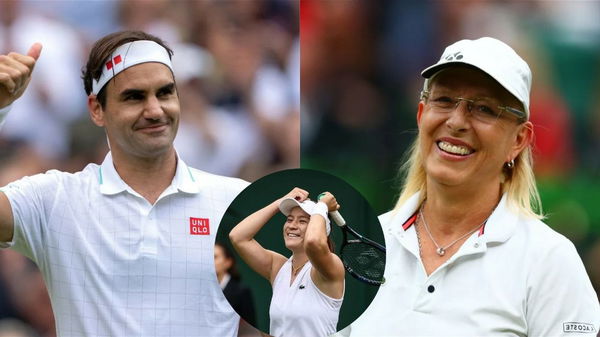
[3,113]
[321,209]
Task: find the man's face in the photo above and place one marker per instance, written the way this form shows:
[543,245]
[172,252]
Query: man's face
[141,114]
[458,149]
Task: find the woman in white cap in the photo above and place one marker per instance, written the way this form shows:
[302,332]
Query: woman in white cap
[308,287]
[467,252]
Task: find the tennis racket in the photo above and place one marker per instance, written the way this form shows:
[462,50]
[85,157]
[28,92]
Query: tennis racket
[363,258]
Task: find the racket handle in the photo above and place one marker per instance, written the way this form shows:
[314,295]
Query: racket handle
[335,215]
[337,218]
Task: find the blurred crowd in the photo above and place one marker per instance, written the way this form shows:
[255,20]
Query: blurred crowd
[236,64]
[361,64]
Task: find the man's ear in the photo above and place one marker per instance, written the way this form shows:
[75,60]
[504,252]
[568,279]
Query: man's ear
[95,110]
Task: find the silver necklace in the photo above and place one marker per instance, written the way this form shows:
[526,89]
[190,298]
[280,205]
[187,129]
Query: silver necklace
[418,236]
[442,250]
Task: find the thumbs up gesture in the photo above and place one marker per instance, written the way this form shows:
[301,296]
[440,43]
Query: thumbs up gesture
[15,73]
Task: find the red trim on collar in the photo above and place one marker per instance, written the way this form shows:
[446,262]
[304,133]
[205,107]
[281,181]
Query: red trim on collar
[482,229]
[413,219]
[410,221]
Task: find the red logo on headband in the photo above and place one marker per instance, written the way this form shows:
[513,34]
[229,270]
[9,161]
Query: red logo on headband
[117,59]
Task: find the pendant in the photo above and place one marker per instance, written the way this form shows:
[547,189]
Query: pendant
[440,251]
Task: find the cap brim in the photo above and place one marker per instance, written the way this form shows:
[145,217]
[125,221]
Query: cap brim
[434,69]
[286,206]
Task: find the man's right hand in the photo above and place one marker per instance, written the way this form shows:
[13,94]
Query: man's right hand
[15,73]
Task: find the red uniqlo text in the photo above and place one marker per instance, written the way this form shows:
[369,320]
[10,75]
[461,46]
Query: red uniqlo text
[199,226]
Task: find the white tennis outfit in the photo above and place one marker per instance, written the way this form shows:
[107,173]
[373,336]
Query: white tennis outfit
[301,309]
[517,277]
[114,264]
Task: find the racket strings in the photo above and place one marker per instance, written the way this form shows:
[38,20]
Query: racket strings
[365,260]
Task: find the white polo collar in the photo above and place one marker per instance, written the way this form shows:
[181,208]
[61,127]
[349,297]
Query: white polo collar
[500,226]
[111,183]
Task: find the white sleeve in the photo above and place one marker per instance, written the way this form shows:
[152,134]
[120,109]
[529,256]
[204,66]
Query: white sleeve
[29,199]
[3,113]
[561,300]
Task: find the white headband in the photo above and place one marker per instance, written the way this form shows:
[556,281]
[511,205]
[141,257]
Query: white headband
[128,55]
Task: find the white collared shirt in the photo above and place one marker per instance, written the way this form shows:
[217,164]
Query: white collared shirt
[516,278]
[114,264]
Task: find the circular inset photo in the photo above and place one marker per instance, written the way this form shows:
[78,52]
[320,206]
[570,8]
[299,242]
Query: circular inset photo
[299,253]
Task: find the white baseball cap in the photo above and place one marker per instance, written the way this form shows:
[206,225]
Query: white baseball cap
[493,57]
[286,206]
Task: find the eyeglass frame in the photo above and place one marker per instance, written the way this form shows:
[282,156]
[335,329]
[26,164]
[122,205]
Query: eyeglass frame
[521,116]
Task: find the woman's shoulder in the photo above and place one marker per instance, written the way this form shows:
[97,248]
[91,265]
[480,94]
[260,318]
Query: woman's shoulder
[283,273]
[545,244]
[541,234]
[400,213]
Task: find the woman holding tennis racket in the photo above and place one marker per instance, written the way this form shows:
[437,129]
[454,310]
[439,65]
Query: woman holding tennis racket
[467,252]
[308,287]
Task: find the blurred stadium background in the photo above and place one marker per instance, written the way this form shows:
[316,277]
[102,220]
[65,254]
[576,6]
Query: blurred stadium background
[237,67]
[360,70]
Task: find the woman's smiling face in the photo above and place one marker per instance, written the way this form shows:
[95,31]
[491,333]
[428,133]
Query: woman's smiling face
[458,149]
[295,228]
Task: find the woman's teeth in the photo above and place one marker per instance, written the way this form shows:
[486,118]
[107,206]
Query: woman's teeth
[454,149]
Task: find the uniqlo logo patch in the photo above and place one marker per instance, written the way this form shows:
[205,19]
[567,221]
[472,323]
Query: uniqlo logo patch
[199,226]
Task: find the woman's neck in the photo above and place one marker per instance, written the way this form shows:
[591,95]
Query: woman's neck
[299,259]
[455,210]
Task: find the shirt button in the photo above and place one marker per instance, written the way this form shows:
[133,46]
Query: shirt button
[477,245]
[431,288]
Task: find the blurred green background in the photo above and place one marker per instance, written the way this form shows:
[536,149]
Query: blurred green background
[354,208]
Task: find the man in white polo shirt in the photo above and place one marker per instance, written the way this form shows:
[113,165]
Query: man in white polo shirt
[126,248]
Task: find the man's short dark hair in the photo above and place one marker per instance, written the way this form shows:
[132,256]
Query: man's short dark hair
[102,50]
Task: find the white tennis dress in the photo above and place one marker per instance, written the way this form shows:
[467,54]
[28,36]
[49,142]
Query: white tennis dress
[301,309]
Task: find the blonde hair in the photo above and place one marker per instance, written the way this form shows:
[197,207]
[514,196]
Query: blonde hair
[518,183]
